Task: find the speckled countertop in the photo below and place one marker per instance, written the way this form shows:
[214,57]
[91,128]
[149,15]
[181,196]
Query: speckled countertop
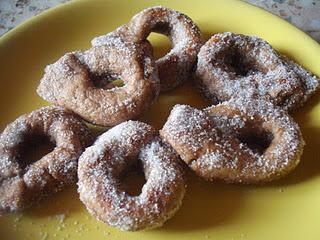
[304,14]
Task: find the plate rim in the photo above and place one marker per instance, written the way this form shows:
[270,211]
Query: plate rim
[46,13]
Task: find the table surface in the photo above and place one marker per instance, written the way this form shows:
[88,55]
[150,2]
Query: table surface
[303,14]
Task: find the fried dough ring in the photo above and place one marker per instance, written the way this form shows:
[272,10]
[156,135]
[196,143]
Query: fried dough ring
[183,33]
[220,142]
[72,82]
[21,183]
[234,65]
[101,165]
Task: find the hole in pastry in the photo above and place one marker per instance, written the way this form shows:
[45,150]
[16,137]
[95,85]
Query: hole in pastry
[133,179]
[97,130]
[117,83]
[106,81]
[34,147]
[160,43]
[239,63]
[257,141]
[287,98]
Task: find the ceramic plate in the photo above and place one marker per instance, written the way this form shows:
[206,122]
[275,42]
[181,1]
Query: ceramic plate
[286,209]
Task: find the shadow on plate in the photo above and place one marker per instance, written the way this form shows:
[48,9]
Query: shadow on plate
[309,167]
[6,230]
[64,202]
[206,205]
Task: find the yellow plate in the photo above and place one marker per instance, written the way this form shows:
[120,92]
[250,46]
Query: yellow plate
[287,209]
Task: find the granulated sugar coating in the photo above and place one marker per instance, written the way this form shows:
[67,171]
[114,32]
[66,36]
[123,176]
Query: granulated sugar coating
[22,183]
[237,66]
[236,141]
[80,81]
[246,137]
[115,151]
[186,38]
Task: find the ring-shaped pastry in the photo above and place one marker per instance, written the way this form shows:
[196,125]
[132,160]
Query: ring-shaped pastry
[23,183]
[238,66]
[79,81]
[237,141]
[176,66]
[100,169]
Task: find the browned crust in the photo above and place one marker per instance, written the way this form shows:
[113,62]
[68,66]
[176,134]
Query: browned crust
[101,165]
[185,36]
[209,140]
[69,82]
[233,65]
[21,186]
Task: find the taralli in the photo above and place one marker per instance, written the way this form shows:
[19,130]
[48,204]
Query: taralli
[183,33]
[79,82]
[234,65]
[237,141]
[24,183]
[246,136]
[102,164]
